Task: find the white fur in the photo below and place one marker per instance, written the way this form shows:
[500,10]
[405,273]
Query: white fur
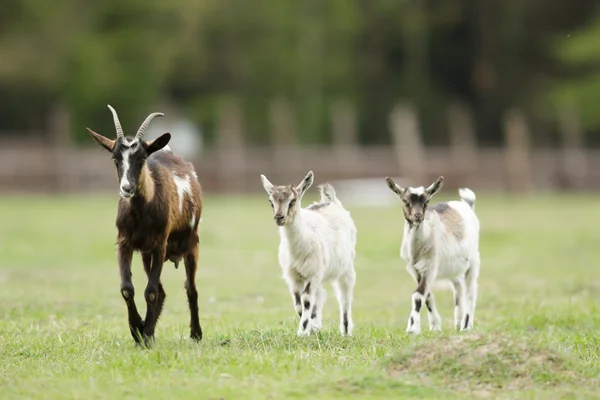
[434,253]
[317,247]
[125,168]
[167,149]
[183,186]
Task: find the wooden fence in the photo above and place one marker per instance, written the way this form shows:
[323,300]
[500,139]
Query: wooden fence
[231,165]
[55,170]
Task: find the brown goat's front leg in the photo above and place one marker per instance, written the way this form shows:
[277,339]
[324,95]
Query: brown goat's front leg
[191,265]
[147,260]
[152,295]
[136,325]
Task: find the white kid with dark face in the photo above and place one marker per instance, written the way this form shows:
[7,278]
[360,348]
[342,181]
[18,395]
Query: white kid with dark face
[284,200]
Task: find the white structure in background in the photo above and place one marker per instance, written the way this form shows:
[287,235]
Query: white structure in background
[370,192]
[186,136]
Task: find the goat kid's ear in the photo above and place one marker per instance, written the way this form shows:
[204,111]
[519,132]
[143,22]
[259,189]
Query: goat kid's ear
[394,187]
[306,183]
[266,184]
[158,143]
[103,141]
[435,186]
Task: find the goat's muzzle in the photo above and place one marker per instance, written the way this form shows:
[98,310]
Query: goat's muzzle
[127,191]
[279,219]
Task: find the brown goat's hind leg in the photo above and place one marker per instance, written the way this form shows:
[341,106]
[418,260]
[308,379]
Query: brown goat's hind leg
[136,325]
[191,265]
[146,260]
[153,297]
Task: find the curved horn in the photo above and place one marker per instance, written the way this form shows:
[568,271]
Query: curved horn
[144,126]
[117,123]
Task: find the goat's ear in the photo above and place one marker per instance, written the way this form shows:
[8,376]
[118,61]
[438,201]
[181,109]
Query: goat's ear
[266,184]
[394,187]
[158,143]
[435,186]
[306,183]
[105,142]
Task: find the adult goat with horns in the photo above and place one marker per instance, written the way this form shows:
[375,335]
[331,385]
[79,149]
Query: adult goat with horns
[158,215]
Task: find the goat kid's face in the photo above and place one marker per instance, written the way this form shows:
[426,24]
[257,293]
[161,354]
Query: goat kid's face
[415,199]
[285,200]
[130,154]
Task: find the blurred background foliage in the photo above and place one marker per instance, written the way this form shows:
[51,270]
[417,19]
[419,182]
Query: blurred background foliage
[537,55]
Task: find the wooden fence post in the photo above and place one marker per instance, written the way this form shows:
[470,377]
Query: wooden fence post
[283,139]
[61,148]
[574,162]
[518,157]
[231,173]
[347,155]
[463,146]
[408,147]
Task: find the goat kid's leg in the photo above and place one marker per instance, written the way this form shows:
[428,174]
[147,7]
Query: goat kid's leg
[296,292]
[316,316]
[419,297]
[345,292]
[136,325]
[191,266]
[162,295]
[459,302]
[471,278]
[433,316]
[152,295]
[308,298]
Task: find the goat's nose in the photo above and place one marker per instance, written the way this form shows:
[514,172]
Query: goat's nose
[127,187]
[418,215]
[279,216]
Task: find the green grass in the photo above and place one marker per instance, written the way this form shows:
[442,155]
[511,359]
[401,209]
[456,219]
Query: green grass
[63,327]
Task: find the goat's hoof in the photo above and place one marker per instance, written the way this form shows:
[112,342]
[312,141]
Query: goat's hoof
[149,341]
[413,329]
[197,336]
[435,328]
[304,333]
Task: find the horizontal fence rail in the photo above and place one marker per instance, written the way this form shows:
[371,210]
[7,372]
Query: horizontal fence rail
[49,169]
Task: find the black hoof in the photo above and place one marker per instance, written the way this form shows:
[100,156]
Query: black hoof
[196,335]
[137,332]
[149,341]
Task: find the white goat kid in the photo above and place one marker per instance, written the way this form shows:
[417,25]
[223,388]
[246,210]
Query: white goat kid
[440,243]
[317,245]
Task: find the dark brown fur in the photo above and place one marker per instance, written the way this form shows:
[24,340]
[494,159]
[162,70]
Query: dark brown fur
[150,222]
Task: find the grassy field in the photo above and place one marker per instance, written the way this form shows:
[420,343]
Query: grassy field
[63,327]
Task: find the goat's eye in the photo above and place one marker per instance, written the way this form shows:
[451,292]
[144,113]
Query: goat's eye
[293,203]
[271,204]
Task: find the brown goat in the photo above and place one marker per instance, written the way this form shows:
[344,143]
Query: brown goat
[158,215]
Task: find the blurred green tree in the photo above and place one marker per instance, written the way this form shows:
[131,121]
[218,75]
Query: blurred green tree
[372,53]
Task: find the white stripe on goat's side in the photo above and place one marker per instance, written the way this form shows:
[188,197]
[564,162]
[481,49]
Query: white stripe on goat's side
[183,186]
[193,221]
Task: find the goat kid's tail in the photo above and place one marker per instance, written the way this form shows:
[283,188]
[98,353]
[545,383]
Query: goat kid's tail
[327,193]
[468,196]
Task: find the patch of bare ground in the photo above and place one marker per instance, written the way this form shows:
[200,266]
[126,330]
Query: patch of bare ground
[481,364]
